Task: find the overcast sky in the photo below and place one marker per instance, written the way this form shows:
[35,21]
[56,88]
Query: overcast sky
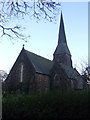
[44,36]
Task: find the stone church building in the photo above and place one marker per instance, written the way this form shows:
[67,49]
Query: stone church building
[32,73]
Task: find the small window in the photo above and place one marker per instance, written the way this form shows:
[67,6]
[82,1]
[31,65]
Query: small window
[21,72]
[72,84]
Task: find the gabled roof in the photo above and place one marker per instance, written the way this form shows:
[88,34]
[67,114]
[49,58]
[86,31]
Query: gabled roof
[40,64]
[72,73]
[62,46]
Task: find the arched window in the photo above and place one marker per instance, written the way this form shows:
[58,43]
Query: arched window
[72,84]
[21,72]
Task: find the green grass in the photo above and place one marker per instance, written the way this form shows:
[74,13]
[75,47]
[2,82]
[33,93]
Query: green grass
[52,105]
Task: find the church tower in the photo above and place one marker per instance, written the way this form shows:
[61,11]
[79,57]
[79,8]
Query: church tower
[62,53]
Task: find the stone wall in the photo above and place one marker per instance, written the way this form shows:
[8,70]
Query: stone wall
[42,83]
[59,80]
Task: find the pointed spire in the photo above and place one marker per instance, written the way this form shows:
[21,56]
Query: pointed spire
[62,53]
[62,47]
[61,36]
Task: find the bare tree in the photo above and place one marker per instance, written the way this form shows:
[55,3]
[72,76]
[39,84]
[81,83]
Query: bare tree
[3,75]
[86,73]
[39,9]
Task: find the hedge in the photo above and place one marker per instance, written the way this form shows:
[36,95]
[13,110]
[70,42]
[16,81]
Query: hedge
[55,105]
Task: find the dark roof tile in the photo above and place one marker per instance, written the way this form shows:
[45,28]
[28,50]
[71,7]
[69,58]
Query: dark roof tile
[73,74]
[41,64]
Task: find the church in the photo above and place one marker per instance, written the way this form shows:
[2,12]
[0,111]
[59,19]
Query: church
[32,73]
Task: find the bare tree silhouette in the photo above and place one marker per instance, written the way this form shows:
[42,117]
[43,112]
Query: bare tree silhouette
[39,9]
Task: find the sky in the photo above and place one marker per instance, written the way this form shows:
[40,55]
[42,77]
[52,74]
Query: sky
[44,36]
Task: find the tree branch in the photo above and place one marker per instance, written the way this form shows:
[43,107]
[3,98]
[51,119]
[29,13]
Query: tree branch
[13,30]
[19,9]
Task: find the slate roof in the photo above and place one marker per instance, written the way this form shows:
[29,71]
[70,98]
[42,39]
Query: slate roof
[41,64]
[62,49]
[73,74]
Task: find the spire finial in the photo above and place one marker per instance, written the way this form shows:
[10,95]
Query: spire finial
[61,6]
[23,46]
[61,10]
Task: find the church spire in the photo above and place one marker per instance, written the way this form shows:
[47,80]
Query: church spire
[62,36]
[62,53]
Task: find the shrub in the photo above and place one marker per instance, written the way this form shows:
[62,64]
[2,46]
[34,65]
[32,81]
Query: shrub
[52,105]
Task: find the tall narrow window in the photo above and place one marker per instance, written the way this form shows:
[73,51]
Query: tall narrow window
[21,72]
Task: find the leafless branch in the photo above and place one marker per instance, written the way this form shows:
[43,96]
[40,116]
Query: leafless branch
[6,32]
[19,9]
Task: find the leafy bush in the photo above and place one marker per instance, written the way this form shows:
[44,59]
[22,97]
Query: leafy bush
[52,105]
